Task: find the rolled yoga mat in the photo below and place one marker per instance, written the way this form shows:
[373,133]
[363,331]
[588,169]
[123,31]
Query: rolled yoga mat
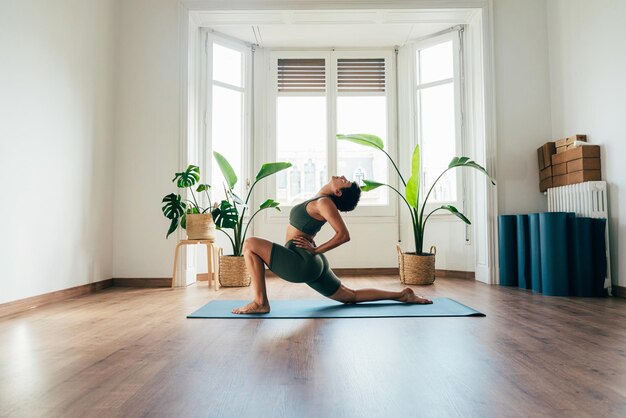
[553,243]
[599,256]
[535,252]
[580,256]
[523,252]
[507,244]
[324,308]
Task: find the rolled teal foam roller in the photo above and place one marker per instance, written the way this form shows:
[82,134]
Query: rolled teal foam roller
[581,257]
[507,244]
[554,237]
[599,256]
[523,252]
[535,252]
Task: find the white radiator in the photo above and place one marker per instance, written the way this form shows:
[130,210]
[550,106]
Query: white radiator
[586,199]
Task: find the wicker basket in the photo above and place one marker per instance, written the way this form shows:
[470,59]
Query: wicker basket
[233,271]
[200,226]
[417,269]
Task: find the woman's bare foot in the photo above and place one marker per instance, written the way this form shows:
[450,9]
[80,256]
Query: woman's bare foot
[408,296]
[253,307]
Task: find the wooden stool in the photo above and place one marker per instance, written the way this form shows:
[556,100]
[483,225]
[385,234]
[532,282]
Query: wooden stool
[212,259]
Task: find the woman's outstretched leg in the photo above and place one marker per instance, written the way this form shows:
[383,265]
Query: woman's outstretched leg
[256,252]
[347,295]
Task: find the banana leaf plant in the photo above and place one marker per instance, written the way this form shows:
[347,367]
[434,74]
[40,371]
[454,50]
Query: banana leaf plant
[175,208]
[411,195]
[230,213]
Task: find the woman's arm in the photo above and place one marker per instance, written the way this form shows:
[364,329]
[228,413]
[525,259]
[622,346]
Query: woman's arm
[328,211]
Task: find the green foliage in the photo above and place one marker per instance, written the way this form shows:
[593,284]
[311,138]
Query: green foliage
[226,168]
[225,215]
[187,178]
[175,208]
[364,139]
[230,213]
[271,168]
[413,186]
[411,194]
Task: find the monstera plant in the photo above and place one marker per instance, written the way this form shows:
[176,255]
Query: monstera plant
[411,196]
[177,209]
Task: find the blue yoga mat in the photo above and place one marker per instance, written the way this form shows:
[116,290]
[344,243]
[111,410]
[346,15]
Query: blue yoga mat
[330,309]
[523,253]
[507,238]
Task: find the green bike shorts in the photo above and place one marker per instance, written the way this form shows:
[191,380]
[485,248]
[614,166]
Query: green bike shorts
[298,265]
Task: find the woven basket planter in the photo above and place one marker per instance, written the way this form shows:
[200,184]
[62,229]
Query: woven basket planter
[200,226]
[417,269]
[233,271]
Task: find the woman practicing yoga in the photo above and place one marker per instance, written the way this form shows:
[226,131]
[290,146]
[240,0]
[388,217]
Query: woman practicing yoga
[301,261]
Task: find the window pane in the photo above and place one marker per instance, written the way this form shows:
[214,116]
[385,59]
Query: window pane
[435,63]
[227,133]
[363,114]
[227,65]
[300,140]
[438,140]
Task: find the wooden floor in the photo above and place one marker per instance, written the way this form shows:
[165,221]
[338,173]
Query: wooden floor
[131,352]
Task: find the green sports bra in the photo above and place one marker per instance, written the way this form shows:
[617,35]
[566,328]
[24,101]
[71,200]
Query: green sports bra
[299,218]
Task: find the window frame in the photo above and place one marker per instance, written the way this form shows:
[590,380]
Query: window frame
[207,82]
[460,141]
[382,212]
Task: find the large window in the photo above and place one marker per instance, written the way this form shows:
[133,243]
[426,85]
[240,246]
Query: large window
[438,113]
[320,94]
[226,107]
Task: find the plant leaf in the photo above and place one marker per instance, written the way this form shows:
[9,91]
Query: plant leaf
[271,168]
[370,185]
[187,178]
[203,187]
[174,207]
[456,213]
[173,226]
[270,203]
[368,140]
[226,168]
[467,162]
[183,221]
[238,200]
[225,215]
[413,185]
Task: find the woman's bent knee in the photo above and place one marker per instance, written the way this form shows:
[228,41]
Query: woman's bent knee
[344,295]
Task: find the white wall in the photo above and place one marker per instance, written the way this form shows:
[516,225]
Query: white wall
[522,102]
[588,91]
[56,90]
[148,135]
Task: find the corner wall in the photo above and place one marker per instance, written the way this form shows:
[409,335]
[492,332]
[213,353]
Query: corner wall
[588,94]
[56,144]
[522,102]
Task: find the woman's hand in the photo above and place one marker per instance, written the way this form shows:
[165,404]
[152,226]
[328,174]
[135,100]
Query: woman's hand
[306,243]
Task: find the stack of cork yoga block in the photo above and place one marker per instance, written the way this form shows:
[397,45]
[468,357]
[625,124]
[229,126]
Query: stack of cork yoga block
[568,161]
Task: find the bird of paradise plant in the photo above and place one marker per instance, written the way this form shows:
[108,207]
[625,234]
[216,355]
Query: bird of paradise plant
[411,195]
[230,213]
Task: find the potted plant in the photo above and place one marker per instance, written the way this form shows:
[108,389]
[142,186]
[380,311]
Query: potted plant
[417,267]
[189,214]
[230,213]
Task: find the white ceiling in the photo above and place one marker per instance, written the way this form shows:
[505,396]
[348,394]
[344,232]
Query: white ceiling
[337,28]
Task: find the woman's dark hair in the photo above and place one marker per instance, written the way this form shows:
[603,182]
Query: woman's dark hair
[349,198]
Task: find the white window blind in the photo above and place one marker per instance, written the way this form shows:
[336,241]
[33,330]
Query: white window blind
[301,75]
[360,75]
